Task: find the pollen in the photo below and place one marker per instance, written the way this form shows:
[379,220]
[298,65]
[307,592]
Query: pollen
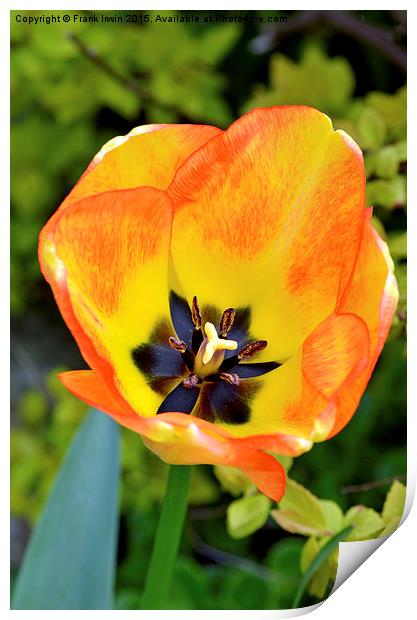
[215,343]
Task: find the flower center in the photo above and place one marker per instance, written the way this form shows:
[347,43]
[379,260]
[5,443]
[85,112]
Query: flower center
[204,370]
[211,352]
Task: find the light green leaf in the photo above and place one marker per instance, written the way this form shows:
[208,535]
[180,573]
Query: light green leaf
[387,162]
[308,553]
[371,129]
[394,502]
[327,571]
[246,515]
[215,42]
[117,97]
[401,149]
[387,192]
[233,480]
[70,560]
[390,527]
[300,511]
[392,109]
[366,522]
[370,163]
[317,80]
[333,515]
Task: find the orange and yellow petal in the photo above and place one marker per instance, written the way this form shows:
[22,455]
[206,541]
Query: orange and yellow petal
[337,350]
[372,296]
[185,440]
[147,156]
[269,214]
[92,389]
[106,259]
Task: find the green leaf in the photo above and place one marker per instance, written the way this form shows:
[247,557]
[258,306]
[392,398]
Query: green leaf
[246,515]
[300,512]
[390,527]
[216,42]
[366,523]
[394,502]
[320,558]
[326,572]
[310,549]
[70,560]
[333,515]
[392,109]
[387,162]
[401,150]
[387,193]
[317,80]
[371,129]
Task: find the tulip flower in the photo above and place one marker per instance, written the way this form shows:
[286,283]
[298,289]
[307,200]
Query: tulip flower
[226,288]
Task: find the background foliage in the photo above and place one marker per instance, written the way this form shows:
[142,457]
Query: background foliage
[76,86]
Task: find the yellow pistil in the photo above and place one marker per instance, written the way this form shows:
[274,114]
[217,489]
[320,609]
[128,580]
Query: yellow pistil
[214,343]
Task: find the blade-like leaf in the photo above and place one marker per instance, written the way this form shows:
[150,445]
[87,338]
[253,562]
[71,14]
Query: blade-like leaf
[70,560]
[318,561]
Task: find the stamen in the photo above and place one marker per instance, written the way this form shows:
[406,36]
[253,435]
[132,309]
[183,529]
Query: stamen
[196,313]
[191,381]
[231,378]
[252,348]
[227,321]
[215,343]
[177,345]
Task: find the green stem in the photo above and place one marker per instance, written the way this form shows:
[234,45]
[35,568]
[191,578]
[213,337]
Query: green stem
[167,539]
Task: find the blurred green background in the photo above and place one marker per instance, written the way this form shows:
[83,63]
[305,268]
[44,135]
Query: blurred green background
[73,87]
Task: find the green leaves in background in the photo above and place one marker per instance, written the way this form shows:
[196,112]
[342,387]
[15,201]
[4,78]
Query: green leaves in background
[316,80]
[393,509]
[300,511]
[246,515]
[46,422]
[250,513]
[319,564]
[366,522]
[156,73]
[377,122]
[47,419]
[70,560]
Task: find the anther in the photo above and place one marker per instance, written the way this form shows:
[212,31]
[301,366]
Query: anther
[231,378]
[191,381]
[227,321]
[177,345]
[252,348]
[196,313]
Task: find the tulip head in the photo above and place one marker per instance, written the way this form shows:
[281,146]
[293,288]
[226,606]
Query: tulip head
[226,288]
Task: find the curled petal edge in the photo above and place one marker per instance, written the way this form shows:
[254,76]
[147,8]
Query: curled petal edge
[181,439]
